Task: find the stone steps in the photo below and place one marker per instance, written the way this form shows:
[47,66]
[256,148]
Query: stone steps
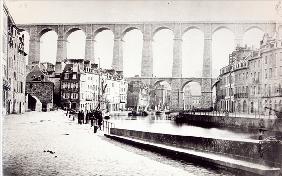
[246,167]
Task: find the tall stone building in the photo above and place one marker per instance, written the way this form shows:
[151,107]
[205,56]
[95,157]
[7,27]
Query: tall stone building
[13,59]
[252,80]
[39,90]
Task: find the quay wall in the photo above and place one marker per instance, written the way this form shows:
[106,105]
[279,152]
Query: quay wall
[226,121]
[269,153]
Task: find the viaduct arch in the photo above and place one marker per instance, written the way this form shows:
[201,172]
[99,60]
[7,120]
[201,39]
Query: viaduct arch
[148,30]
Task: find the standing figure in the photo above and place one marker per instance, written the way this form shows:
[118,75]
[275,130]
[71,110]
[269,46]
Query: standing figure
[91,116]
[87,117]
[82,116]
[100,119]
[79,117]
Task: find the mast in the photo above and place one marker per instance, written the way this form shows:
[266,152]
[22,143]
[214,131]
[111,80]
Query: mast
[99,85]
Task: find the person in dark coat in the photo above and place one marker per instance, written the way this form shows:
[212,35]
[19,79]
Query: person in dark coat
[100,119]
[82,117]
[79,117]
[91,118]
[87,116]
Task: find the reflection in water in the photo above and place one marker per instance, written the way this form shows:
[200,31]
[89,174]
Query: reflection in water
[164,124]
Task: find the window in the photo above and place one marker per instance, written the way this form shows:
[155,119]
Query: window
[265,74]
[21,87]
[265,59]
[270,72]
[74,96]
[254,90]
[66,76]
[74,76]
[65,95]
[258,89]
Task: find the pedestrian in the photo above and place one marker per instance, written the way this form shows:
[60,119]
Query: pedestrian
[78,117]
[100,119]
[91,117]
[82,116]
[87,117]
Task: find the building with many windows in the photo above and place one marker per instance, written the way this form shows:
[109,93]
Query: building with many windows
[84,86]
[252,80]
[13,59]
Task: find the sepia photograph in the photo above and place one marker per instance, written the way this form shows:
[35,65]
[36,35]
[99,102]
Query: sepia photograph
[141,88]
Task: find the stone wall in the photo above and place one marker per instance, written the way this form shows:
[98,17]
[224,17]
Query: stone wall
[42,90]
[244,150]
[223,121]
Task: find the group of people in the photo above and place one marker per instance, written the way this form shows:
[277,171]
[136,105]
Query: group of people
[93,115]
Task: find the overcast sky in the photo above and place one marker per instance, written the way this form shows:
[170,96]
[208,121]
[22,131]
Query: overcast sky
[51,11]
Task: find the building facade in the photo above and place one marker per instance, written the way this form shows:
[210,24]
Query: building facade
[13,59]
[39,90]
[85,87]
[252,80]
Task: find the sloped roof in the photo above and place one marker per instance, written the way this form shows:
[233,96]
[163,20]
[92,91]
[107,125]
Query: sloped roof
[72,68]
[36,75]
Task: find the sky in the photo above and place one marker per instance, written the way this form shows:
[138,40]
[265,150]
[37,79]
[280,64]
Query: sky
[51,11]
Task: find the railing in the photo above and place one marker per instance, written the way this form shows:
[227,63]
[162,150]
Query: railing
[241,95]
[105,126]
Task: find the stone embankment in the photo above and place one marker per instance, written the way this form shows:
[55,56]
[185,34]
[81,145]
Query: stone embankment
[271,126]
[249,156]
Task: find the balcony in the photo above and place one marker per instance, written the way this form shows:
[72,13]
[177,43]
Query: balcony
[89,99]
[241,95]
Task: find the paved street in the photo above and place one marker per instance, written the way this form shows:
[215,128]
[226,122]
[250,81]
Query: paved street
[72,149]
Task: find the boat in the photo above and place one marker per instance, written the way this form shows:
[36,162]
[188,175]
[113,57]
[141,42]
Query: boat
[144,113]
[167,112]
[140,113]
[107,115]
[159,112]
[132,113]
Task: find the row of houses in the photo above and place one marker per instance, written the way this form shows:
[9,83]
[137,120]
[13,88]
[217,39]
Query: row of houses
[252,80]
[82,86]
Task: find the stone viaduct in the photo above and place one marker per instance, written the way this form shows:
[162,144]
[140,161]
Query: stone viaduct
[148,30]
